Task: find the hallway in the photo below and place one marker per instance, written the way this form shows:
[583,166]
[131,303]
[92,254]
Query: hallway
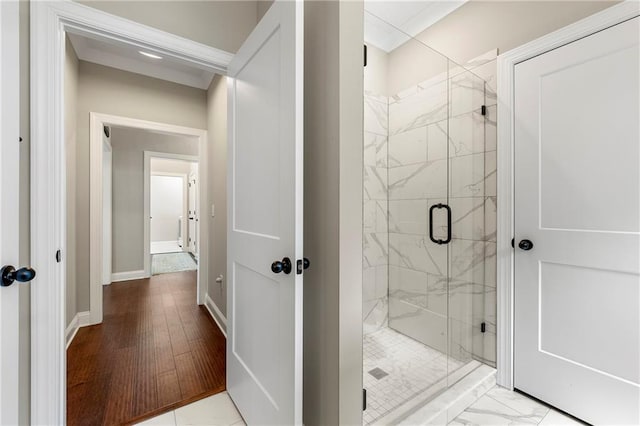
[155,351]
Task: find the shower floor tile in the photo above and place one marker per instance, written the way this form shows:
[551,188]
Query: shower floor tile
[410,368]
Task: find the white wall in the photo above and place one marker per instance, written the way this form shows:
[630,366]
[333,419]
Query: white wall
[128,196]
[167,204]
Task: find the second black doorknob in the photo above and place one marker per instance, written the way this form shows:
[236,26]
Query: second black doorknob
[525,245]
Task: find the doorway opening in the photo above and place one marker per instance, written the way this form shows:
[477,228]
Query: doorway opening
[140,340]
[174,222]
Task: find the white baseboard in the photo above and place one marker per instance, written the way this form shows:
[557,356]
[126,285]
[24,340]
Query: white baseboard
[81,319]
[129,275]
[216,314]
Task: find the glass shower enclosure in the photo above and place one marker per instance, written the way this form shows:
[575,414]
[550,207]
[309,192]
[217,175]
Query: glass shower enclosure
[425,206]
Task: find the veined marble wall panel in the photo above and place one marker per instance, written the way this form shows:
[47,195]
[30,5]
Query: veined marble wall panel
[426,145]
[472,192]
[375,210]
[441,148]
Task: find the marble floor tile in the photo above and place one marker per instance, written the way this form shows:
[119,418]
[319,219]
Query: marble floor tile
[519,402]
[216,410]
[488,411]
[555,418]
[166,419]
[500,406]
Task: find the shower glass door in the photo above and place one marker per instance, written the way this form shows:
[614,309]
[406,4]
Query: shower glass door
[423,236]
[467,199]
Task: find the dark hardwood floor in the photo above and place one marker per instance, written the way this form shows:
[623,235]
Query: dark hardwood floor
[155,351]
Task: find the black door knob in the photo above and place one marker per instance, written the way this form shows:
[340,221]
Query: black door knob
[281,266]
[8,275]
[525,245]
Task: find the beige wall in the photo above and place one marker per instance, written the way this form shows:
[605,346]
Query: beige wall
[111,91]
[128,218]
[70,126]
[217,161]
[377,82]
[333,213]
[263,6]
[477,27]
[221,24]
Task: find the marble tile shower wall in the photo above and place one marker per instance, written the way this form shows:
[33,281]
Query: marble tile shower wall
[440,142]
[375,261]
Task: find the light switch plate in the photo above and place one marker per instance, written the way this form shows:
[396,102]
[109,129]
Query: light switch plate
[213,210]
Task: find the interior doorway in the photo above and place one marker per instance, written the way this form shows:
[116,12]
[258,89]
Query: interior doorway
[173,214]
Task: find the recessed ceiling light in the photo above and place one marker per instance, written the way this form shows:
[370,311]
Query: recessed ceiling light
[150,55]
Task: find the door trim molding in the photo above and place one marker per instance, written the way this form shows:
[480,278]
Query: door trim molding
[505,208]
[49,22]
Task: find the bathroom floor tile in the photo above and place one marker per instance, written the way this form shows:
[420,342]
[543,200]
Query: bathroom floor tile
[216,410]
[410,367]
[166,419]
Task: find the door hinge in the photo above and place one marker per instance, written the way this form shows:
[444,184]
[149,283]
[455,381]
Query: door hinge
[365,55]
[58,256]
[106,130]
[364,399]
[483,110]
[483,327]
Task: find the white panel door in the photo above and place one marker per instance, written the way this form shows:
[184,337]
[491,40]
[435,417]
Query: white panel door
[577,195]
[264,347]
[9,205]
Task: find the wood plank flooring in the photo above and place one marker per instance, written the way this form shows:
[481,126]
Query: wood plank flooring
[156,350]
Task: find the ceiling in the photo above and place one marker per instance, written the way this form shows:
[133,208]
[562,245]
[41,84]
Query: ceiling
[128,58]
[411,17]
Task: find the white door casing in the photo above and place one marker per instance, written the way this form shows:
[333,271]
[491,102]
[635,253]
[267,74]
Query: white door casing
[192,216]
[107,195]
[577,186]
[10,359]
[265,111]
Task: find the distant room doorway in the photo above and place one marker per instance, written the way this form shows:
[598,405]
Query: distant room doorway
[172,215]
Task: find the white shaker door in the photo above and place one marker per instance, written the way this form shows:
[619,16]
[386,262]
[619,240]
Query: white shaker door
[264,299]
[577,200]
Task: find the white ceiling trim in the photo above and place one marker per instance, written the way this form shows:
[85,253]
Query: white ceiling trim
[409,17]
[200,79]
